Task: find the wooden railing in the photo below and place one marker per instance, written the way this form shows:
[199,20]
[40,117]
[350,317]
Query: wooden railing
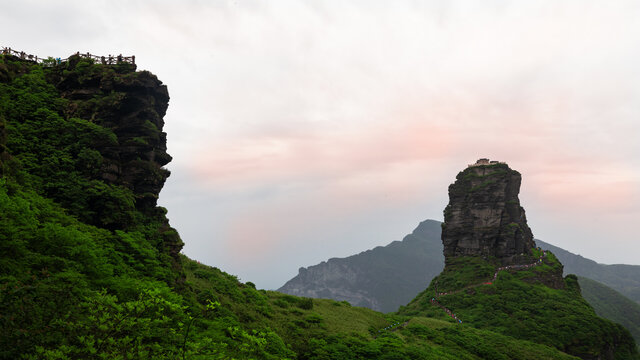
[104,60]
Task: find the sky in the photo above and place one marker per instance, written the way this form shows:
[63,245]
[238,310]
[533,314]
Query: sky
[306,130]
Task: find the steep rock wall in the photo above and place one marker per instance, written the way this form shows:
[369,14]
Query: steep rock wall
[132,104]
[89,136]
[484,216]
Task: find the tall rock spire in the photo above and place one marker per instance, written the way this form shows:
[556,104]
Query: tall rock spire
[484,216]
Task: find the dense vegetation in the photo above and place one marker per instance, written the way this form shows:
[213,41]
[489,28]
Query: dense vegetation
[89,265]
[525,304]
[622,278]
[612,305]
[327,329]
[85,270]
[420,255]
[71,290]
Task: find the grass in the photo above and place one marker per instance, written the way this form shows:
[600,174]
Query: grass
[328,327]
[463,271]
[525,310]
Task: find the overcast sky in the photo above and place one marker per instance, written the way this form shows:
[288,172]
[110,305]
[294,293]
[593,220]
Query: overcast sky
[305,130]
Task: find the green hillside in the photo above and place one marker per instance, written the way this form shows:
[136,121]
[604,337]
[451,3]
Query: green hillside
[622,278]
[72,290]
[90,267]
[327,329]
[612,305]
[393,275]
[526,304]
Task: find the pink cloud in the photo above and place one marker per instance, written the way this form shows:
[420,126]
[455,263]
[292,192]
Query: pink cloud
[579,185]
[537,135]
[283,157]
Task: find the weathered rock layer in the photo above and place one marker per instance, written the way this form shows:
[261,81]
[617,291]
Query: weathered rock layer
[484,216]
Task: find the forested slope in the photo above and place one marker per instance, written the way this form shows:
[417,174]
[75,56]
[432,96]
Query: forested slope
[612,305]
[90,267]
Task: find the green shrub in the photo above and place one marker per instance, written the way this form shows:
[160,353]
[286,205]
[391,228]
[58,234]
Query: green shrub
[305,303]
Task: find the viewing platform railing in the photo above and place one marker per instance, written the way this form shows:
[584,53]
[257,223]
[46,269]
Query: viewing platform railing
[104,60]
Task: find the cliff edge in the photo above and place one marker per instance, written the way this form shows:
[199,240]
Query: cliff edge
[90,137]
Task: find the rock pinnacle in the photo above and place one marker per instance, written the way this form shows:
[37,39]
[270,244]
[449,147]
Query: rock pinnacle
[484,217]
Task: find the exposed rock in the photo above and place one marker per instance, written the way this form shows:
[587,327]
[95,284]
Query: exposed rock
[133,105]
[484,216]
[337,279]
[381,279]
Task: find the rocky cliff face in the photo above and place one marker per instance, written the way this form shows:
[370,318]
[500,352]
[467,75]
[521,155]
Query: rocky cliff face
[484,216]
[381,279]
[132,104]
[495,279]
[100,149]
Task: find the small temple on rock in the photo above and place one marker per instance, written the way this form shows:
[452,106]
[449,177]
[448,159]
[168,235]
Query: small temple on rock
[485,161]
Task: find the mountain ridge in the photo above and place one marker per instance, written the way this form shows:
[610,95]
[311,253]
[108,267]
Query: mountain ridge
[434,244]
[586,267]
[494,277]
[90,267]
[372,264]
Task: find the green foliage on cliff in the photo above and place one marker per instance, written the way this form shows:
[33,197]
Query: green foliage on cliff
[522,305]
[54,277]
[622,278]
[58,156]
[90,267]
[85,271]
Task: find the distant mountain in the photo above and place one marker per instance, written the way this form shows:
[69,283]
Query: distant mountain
[381,279]
[622,278]
[387,277]
[612,305]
